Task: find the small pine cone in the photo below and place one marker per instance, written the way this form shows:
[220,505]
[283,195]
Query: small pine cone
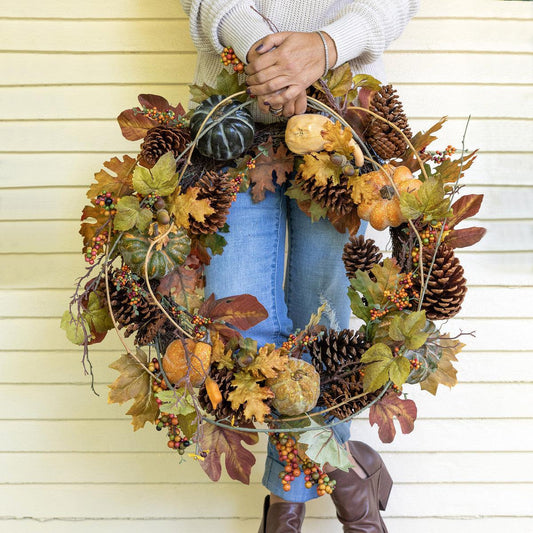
[386,141]
[403,242]
[223,379]
[360,254]
[162,139]
[446,287]
[335,197]
[218,189]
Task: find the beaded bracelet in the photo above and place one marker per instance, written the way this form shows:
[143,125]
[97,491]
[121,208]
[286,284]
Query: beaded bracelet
[326,69]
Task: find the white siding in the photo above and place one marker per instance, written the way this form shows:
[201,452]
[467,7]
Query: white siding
[69,461]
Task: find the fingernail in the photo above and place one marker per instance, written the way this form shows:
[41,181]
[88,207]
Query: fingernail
[267,103]
[259,48]
[249,91]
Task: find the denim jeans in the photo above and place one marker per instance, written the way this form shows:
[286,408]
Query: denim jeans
[253,263]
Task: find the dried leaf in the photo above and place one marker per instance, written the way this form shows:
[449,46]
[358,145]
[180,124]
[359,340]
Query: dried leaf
[239,461]
[429,201]
[409,329]
[268,164]
[160,103]
[130,214]
[349,222]
[134,383]
[187,204]
[89,230]
[117,179]
[450,170]
[465,207]
[268,362]
[184,285]
[177,402]
[337,139]
[383,412]
[161,179]
[226,84]
[339,80]
[134,125]
[318,167]
[445,374]
[461,238]
[249,394]
[382,366]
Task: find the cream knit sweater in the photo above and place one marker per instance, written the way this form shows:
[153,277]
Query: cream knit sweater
[361,29]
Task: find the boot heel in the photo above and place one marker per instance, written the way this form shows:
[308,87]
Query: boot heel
[384,487]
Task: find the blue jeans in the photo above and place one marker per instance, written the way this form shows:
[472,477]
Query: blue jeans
[253,263]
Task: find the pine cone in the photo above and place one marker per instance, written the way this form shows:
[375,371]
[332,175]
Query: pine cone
[446,287]
[218,189]
[386,141]
[403,241]
[360,254]
[163,139]
[337,358]
[331,196]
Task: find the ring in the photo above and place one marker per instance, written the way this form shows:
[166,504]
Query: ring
[276,111]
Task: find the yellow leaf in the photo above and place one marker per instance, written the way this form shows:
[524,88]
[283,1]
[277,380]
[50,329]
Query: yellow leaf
[318,167]
[251,395]
[268,362]
[338,139]
[185,205]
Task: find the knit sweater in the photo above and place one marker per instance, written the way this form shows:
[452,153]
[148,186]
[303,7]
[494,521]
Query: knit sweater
[361,29]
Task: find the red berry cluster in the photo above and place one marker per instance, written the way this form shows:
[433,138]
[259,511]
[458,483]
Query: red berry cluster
[294,341]
[228,57]
[236,185]
[106,202]
[97,243]
[175,440]
[126,279]
[295,466]
[440,157]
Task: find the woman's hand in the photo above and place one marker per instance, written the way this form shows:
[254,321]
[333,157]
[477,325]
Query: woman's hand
[281,66]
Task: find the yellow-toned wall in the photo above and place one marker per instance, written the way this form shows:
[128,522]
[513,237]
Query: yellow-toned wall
[70,462]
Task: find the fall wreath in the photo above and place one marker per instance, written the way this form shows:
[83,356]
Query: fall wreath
[154,221]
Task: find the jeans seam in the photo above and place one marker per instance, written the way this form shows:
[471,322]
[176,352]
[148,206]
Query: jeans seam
[275,271]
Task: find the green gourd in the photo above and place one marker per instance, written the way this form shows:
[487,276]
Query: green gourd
[428,355]
[228,138]
[133,247]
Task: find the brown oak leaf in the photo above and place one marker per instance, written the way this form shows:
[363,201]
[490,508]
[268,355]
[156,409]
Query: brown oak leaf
[187,204]
[88,230]
[350,221]
[134,383]
[268,362]
[386,409]
[317,166]
[238,460]
[446,374]
[250,395]
[337,139]
[269,164]
[117,179]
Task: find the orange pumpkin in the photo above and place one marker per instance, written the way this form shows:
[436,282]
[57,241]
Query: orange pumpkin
[187,357]
[378,202]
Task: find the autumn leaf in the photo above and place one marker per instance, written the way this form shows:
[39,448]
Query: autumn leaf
[115,178]
[97,314]
[382,366]
[89,230]
[176,402]
[268,164]
[409,329]
[226,84]
[429,201]
[130,214]
[250,395]
[445,374]
[465,207]
[238,460]
[161,179]
[451,170]
[337,139]
[317,166]
[386,409]
[338,80]
[184,285]
[161,104]
[134,383]
[185,205]
[461,238]
[75,327]
[268,362]
[345,222]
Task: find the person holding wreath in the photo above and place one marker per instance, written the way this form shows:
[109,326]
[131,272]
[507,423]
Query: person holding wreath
[287,46]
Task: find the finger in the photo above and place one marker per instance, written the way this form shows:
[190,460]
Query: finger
[270,87]
[288,109]
[300,104]
[264,76]
[263,107]
[280,99]
[270,41]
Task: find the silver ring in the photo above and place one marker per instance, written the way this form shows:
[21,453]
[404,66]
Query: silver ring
[276,112]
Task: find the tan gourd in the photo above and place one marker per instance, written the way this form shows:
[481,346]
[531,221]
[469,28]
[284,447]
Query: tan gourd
[184,357]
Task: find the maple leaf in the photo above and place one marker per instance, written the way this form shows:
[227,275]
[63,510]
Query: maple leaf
[268,362]
[250,395]
[382,366]
[317,166]
[185,205]
[184,285]
[338,80]
[268,164]
[337,139]
[130,214]
[161,179]
[239,461]
[117,179]
[445,374]
[134,383]
[386,409]
[451,170]
[409,329]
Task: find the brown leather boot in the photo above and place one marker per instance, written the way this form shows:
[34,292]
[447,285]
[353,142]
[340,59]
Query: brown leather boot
[358,501]
[282,517]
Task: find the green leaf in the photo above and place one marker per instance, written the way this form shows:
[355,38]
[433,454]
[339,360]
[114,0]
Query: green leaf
[162,179]
[322,448]
[429,201]
[215,242]
[295,192]
[97,315]
[226,84]
[409,329]
[340,80]
[382,366]
[357,305]
[176,402]
[188,424]
[74,326]
[130,214]
[317,211]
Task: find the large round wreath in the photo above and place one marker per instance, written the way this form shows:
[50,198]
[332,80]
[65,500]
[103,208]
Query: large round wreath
[154,221]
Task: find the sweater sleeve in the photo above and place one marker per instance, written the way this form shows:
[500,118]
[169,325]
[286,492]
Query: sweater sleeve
[364,29]
[218,23]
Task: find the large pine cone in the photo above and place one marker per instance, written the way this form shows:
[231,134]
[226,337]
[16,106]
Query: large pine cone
[386,141]
[335,197]
[218,189]
[360,254]
[337,358]
[446,287]
[163,139]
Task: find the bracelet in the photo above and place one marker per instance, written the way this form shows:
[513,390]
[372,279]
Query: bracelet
[326,69]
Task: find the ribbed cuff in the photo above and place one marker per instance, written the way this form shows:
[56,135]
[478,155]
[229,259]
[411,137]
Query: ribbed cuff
[241,28]
[351,35]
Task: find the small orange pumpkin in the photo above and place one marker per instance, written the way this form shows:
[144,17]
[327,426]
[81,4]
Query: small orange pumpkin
[378,202]
[176,364]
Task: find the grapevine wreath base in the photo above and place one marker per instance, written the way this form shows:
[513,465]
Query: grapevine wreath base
[154,221]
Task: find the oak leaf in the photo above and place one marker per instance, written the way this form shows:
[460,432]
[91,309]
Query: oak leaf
[239,461]
[98,219]
[115,178]
[134,383]
[268,362]
[250,395]
[317,166]
[269,164]
[185,205]
[386,409]
[337,139]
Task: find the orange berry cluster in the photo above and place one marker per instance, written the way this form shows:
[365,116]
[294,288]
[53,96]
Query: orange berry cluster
[293,341]
[126,279]
[158,383]
[415,363]
[236,185]
[251,164]
[429,236]
[175,440]
[228,57]
[168,117]
[440,157]
[97,243]
[106,202]
[200,323]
